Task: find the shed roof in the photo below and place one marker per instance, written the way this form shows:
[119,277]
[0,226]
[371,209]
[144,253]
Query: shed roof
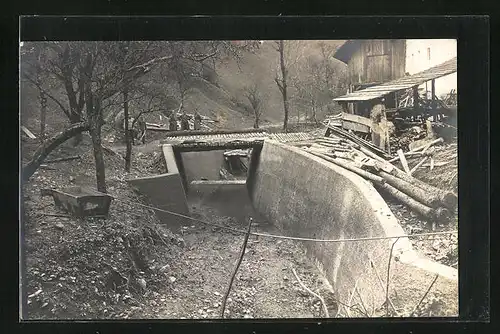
[403,83]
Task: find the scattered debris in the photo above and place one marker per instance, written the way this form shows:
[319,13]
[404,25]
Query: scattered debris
[28,132]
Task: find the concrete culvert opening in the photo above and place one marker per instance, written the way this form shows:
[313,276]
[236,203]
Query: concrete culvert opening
[351,277]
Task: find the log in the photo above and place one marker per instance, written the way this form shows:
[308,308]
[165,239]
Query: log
[383,164]
[439,140]
[447,198]
[28,132]
[63,159]
[346,165]
[438,214]
[418,165]
[404,162]
[407,155]
[44,150]
[429,199]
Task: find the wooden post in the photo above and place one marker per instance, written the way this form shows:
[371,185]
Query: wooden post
[415,99]
[433,92]
[344,107]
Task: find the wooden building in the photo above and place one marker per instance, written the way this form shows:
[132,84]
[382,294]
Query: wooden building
[395,83]
[372,62]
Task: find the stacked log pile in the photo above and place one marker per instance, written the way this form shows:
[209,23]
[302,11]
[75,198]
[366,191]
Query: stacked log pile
[432,203]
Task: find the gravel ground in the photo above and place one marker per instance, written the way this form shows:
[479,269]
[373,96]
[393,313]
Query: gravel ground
[264,286]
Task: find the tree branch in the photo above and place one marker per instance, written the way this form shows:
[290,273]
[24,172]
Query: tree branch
[325,309]
[242,253]
[66,112]
[388,278]
[425,295]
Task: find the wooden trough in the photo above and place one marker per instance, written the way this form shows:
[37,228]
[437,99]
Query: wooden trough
[80,201]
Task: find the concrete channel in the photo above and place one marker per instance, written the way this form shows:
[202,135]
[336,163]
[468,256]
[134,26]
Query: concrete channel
[305,196]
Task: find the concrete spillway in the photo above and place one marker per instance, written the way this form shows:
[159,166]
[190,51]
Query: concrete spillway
[306,196]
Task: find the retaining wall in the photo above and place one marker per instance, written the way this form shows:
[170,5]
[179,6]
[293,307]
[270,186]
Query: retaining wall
[306,196]
[165,191]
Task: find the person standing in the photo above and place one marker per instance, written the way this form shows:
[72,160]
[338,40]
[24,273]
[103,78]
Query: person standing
[197,121]
[184,121]
[172,121]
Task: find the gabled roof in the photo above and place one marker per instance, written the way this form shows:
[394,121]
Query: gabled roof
[403,83]
[347,50]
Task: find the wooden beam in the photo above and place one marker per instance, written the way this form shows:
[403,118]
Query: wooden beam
[199,146]
[403,161]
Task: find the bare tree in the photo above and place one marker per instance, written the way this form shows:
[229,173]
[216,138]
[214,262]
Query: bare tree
[253,95]
[101,71]
[99,80]
[320,80]
[281,81]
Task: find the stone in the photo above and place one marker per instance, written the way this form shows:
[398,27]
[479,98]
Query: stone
[142,282]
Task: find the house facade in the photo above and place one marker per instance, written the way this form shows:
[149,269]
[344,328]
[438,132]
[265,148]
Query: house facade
[372,62]
[422,54]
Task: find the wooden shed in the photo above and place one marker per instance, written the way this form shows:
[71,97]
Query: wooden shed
[372,62]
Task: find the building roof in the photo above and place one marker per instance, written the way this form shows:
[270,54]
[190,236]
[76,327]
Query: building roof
[403,83]
[347,50]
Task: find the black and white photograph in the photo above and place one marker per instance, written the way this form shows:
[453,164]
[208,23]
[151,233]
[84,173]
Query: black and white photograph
[239,179]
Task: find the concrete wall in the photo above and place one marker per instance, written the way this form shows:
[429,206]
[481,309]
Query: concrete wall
[307,196]
[165,191]
[422,54]
[202,164]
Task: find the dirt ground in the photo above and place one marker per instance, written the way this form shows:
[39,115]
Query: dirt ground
[130,266]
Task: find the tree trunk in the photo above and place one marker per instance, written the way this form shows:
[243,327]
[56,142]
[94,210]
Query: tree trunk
[45,149]
[283,87]
[256,121]
[429,199]
[94,116]
[439,214]
[128,139]
[76,119]
[43,114]
[447,198]
[95,132]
